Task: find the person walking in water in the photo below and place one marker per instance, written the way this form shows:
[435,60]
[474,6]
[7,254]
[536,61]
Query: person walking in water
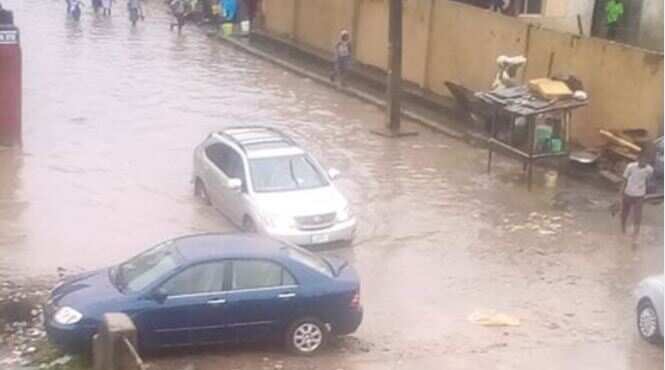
[75,8]
[178,7]
[106,5]
[342,58]
[96,5]
[633,190]
[135,11]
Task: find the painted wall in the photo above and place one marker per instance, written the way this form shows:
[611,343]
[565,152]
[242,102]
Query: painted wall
[280,17]
[319,22]
[561,15]
[625,83]
[372,33]
[446,40]
[465,44]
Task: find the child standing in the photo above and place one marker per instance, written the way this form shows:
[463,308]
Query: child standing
[342,57]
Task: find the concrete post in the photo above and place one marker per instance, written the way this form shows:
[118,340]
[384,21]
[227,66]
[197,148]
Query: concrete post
[114,345]
[10,80]
[394,78]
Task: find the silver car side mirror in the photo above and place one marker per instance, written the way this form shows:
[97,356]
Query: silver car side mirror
[333,173]
[234,184]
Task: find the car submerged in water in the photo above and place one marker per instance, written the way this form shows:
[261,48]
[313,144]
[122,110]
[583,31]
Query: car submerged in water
[212,288]
[263,182]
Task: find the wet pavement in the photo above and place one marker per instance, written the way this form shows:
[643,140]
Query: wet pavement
[111,116]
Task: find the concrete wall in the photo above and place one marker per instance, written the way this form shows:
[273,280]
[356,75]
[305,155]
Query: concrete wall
[445,40]
[372,33]
[280,18]
[561,15]
[465,44]
[318,22]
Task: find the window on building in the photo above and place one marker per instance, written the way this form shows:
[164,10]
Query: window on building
[534,7]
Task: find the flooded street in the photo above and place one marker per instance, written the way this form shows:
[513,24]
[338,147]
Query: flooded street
[111,117]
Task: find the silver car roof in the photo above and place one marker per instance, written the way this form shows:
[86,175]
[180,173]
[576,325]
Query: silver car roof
[261,141]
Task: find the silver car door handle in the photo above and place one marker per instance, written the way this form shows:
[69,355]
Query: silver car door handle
[286,295]
[217,301]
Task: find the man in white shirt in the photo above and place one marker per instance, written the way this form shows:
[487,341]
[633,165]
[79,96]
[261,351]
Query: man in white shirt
[633,190]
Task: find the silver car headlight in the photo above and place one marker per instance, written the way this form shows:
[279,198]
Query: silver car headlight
[344,214]
[277,221]
[67,316]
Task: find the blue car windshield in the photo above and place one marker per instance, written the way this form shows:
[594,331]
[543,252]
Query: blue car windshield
[139,272]
[285,174]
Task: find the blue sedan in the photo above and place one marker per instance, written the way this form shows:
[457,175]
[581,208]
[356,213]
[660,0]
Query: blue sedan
[213,288]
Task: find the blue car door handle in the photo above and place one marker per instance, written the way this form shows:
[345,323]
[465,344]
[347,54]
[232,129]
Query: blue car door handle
[286,295]
[217,301]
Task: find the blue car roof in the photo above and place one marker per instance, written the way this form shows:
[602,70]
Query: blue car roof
[216,245]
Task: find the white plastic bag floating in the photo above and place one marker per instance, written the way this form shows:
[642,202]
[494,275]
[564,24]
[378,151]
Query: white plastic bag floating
[492,318]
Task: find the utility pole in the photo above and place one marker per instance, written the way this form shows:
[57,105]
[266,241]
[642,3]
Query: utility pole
[394,66]
[394,80]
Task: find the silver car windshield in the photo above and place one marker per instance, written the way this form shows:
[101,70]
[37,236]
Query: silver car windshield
[144,269]
[285,174]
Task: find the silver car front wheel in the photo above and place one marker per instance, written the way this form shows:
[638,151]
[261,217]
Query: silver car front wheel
[647,322]
[201,192]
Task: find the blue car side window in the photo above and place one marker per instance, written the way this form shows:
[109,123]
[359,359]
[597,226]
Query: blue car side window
[255,274]
[287,278]
[202,278]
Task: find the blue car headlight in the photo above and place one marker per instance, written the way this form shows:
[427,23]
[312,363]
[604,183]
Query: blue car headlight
[67,316]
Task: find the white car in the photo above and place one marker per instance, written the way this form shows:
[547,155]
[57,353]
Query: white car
[649,295]
[263,182]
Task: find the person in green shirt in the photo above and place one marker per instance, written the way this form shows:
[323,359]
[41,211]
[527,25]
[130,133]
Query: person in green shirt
[614,11]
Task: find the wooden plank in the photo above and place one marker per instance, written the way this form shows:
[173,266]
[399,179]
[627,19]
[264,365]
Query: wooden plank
[617,140]
[623,152]
[614,178]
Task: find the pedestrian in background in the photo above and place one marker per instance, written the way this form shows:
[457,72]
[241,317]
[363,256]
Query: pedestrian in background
[342,58]
[6,17]
[106,5]
[135,11]
[230,8]
[496,5]
[634,188]
[178,7]
[96,5]
[614,11]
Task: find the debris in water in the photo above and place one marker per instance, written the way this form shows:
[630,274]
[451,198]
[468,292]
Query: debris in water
[492,318]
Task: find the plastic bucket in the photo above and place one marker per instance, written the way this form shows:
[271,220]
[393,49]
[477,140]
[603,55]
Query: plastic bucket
[244,26]
[557,145]
[227,29]
[550,178]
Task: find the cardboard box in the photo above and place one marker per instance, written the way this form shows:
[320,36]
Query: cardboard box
[549,89]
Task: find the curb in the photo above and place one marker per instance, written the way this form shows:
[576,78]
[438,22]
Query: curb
[347,90]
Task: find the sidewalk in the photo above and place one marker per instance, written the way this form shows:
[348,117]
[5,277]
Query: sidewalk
[436,113]
[366,85]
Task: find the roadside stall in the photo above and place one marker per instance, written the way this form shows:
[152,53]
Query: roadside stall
[532,122]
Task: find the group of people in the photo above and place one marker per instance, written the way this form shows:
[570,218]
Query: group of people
[6,17]
[104,5]
[133,6]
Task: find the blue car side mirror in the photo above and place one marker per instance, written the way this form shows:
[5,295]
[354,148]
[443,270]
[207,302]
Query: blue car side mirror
[159,295]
